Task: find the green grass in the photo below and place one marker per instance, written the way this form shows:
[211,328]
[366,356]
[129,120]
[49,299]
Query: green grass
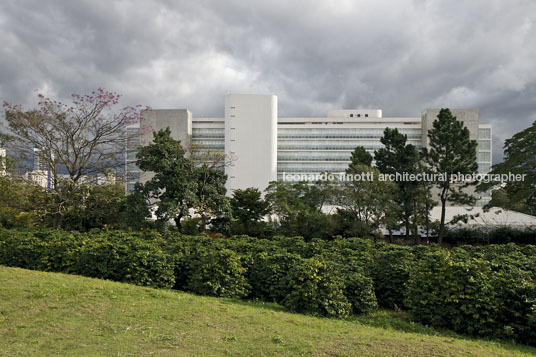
[62,315]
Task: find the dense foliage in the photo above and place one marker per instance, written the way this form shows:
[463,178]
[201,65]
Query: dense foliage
[498,235]
[519,154]
[481,291]
[73,143]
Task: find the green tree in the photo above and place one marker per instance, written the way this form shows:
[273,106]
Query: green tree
[82,138]
[249,208]
[138,209]
[179,184]
[367,203]
[174,186]
[21,203]
[451,152]
[298,207]
[211,201]
[519,158]
[98,207]
[360,156]
[397,156]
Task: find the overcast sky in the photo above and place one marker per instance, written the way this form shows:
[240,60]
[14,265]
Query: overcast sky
[399,56]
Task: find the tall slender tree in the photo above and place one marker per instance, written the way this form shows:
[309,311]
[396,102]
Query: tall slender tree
[451,152]
[397,156]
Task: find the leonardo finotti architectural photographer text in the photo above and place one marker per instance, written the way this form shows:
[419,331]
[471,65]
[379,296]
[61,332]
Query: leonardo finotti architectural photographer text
[405,176]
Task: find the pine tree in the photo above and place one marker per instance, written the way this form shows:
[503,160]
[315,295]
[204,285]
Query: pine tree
[360,156]
[451,152]
[398,157]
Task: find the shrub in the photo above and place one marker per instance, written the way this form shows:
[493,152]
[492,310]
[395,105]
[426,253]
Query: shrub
[515,293]
[268,275]
[216,273]
[46,249]
[390,272]
[316,290]
[503,235]
[191,226]
[465,236]
[127,258]
[20,249]
[444,292]
[461,291]
[500,235]
[359,290]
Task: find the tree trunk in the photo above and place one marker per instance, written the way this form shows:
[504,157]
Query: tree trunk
[178,224]
[442,224]
[58,221]
[406,228]
[391,240]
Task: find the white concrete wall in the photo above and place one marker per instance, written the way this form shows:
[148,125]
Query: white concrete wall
[250,140]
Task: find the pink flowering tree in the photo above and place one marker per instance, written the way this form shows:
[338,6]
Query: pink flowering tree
[82,138]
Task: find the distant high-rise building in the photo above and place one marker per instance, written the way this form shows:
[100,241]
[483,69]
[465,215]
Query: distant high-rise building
[41,173]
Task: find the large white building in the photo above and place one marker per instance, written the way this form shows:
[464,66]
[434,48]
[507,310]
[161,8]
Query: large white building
[262,146]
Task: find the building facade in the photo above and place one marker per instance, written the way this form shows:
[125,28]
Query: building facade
[262,146]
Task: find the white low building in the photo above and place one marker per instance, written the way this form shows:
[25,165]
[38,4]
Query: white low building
[478,218]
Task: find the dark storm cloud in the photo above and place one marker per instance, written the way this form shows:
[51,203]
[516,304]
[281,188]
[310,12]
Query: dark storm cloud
[401,56]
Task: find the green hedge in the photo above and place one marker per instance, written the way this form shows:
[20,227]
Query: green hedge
[390,272]
[501,235]
[482,291]
[127,258]
[460,290]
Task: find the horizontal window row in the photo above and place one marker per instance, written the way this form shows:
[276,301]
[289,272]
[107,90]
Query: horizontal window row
[208,133]
[340,136]
[131,154]
[313,156]
[287,159]
[211,146]
[343,130]
[131,166]
[311,167]
[330,145]
[133,176]
[208,144]
[208,136]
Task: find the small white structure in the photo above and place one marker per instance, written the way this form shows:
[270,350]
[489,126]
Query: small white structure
[479,219]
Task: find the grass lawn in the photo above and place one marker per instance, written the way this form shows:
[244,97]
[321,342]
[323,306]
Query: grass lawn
[58,314]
